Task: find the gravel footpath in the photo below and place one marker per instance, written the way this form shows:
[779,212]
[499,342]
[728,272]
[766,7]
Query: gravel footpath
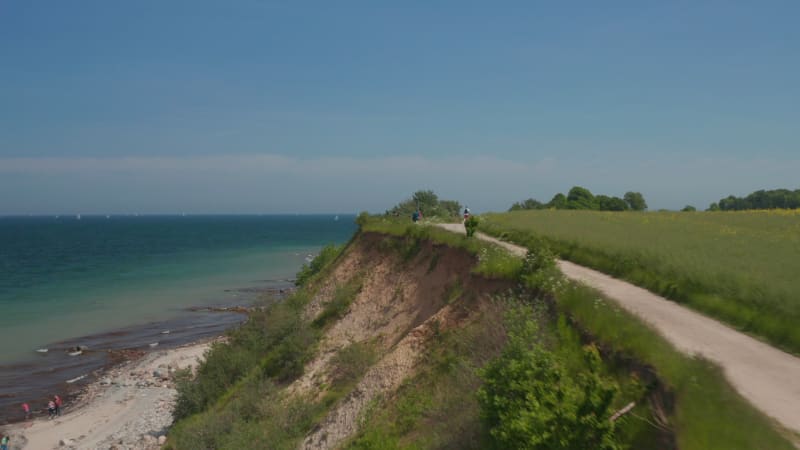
[767,377]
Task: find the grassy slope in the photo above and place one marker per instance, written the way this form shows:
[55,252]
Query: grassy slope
[707,414]
[739,267]
[432,411]
[237,400]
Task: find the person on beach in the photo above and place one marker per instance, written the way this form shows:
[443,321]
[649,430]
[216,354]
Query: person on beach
[4,443]
[57,401]
[27,409]
[466,213]
[51,409]
[416,216]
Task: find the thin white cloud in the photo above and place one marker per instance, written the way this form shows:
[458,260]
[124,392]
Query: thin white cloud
[264,163]
[278,183]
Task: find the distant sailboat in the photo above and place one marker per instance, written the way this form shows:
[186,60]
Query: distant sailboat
[78,217]
[336,219]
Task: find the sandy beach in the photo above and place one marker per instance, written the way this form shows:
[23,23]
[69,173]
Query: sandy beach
[128,407]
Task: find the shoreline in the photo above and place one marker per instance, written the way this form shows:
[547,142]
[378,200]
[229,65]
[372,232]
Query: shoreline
[128,406]
[127,403]
[35,379]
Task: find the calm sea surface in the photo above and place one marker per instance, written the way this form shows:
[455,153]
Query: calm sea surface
[63,277]
[118,282]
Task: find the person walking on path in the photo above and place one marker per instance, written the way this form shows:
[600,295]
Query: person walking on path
[51,409]
[57,401]
[27,409]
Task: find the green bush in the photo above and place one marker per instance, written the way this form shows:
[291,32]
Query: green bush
[529,400]
[276,339]
[325,257]
[338,305]
[254,415]
[362,219]
[350,363]
[429,204]
[471,224]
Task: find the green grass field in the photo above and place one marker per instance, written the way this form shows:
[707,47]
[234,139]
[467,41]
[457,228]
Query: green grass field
[707,412]
[741,267]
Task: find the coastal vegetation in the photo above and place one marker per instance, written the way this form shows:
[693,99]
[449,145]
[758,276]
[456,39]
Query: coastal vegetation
[680,401]
[427,202]
[546,364]
[739,267]
[236,400]
[581,198]
[762,199]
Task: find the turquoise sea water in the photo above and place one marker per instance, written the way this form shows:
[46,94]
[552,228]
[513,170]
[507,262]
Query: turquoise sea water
[64,277]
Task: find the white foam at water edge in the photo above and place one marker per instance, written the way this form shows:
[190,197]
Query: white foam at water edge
[76,379]
[42,350]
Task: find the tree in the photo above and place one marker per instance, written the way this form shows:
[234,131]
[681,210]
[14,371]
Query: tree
[762,199]
[450,208]
[606,203]
[689,208]
[713,207]
[425,200]
[580,198]
[559,201]
[430,205]
[530,401]
[635,200]
[530,203]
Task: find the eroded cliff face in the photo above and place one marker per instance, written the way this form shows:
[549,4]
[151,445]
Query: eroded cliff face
[409,291]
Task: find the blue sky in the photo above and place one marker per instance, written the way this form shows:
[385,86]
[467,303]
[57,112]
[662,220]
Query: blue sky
[344,106]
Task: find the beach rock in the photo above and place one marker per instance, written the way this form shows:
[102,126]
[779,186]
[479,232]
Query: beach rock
[66,442]
[149,441]
[162,440]
[105,381]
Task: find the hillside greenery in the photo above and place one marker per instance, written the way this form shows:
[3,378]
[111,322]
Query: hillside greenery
[689,405]
[739,267]
[236,399]
[429,204]
[468,391]
[762,199]
[581,198]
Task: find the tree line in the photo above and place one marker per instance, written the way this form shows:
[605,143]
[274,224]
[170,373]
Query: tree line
[761,199]
[428,203]
[582,198]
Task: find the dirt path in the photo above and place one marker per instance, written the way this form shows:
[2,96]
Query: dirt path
[767,377]
[129,408]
